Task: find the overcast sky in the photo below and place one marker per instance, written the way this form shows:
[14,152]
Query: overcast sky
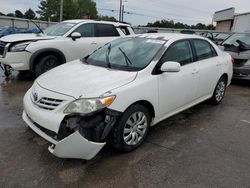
[144,11]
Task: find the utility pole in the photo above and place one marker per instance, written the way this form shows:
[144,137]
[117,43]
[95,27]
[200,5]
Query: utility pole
[61,11]
[120,12]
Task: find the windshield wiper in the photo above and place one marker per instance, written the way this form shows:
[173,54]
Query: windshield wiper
[107,56]
[126,57]
[41,31]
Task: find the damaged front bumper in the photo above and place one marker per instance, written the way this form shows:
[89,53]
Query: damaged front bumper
[72,135]
[73,146]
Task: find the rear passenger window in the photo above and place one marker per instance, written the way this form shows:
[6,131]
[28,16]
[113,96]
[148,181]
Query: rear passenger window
[204,50]
[125,30]
[106,30]
[179,52]
[86,30]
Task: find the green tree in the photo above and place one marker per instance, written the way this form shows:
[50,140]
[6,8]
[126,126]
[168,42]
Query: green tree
[87,8]
[30,14]
[107,18]
[2,14]
[10,15]
[19,14]
[49,9]
[179,25]
[72,9]
[211,27]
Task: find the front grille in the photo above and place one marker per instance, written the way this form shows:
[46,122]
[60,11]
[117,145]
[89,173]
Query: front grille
[239,62]
[48,103]
[2,47]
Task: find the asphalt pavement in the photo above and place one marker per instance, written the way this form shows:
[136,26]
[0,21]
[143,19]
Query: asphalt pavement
[205,146]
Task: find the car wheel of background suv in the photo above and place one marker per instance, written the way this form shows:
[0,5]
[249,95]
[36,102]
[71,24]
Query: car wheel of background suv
[131,129]
[45,64]
[219,91]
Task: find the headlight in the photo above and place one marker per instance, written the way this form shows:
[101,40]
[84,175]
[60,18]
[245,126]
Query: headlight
[19,47]
[85,106]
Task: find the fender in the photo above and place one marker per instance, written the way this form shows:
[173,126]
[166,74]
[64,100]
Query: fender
[37,53]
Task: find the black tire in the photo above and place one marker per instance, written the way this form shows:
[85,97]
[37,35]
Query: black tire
[117,138]
[45,64]
[219,91]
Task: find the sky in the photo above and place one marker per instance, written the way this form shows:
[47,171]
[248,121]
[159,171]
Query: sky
[143,11]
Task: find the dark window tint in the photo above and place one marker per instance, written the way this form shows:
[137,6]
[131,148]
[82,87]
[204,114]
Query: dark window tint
[86,30]
[204,50]
[106,30]
[125,30]
[179,52]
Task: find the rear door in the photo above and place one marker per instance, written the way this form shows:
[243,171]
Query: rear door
[209,65]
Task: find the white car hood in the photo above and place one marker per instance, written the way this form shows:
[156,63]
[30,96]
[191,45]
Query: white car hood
[25,37]
[77,79]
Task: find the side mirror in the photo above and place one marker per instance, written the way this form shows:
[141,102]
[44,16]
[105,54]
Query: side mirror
[170,66]
[75,35]
[242,45]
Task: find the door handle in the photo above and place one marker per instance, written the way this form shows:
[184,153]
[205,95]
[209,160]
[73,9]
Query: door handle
[195,71]
[93,42]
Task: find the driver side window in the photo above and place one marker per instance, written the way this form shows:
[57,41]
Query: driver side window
[180,52]
[86,30]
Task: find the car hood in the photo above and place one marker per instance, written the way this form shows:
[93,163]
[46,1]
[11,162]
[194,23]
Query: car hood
[25,37]
[77,79]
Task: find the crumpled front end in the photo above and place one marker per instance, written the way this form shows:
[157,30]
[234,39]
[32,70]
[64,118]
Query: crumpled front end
[73,146]
[72,135]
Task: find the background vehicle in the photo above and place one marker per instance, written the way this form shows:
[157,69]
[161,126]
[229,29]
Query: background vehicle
[208,35]
[122,89]
[221,37]
[8,30]
[58,44]
[238,46]
[187,31]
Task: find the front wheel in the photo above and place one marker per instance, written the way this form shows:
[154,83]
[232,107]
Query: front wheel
[219,91]
[131,130]
[45,64]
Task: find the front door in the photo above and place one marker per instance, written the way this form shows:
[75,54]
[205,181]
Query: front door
[178,89]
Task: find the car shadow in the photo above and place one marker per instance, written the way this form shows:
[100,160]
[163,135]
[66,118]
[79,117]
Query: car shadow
[241,82]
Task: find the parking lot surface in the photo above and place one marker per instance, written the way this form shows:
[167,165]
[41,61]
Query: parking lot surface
[205,146]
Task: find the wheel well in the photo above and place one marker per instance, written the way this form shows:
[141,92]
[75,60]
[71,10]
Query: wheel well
[225,76]
[35,60]
[148,105]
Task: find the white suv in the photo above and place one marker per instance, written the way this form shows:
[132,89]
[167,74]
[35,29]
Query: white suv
[60,43]
[122,89]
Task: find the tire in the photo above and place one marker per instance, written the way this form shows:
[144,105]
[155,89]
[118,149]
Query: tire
[128,133]
[45,64]
[219,91]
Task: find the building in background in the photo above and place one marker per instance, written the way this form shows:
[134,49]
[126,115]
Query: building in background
[228,21]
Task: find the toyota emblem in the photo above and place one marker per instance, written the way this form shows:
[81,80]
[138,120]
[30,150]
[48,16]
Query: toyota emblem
[35,97]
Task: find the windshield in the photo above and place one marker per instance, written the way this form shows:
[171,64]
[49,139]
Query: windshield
[244,37]
[59,29]
[222,36]
[130,54]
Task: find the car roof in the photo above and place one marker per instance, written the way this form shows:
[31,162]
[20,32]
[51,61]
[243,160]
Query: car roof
[168,36]
[77,21]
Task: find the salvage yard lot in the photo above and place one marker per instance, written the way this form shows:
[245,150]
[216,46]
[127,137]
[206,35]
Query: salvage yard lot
[205,146]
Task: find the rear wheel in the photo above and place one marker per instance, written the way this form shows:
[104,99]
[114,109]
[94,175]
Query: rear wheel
[131,130]
[45,64]
[219,91]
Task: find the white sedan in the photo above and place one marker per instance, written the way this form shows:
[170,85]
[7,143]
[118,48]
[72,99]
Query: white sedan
[122,89]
